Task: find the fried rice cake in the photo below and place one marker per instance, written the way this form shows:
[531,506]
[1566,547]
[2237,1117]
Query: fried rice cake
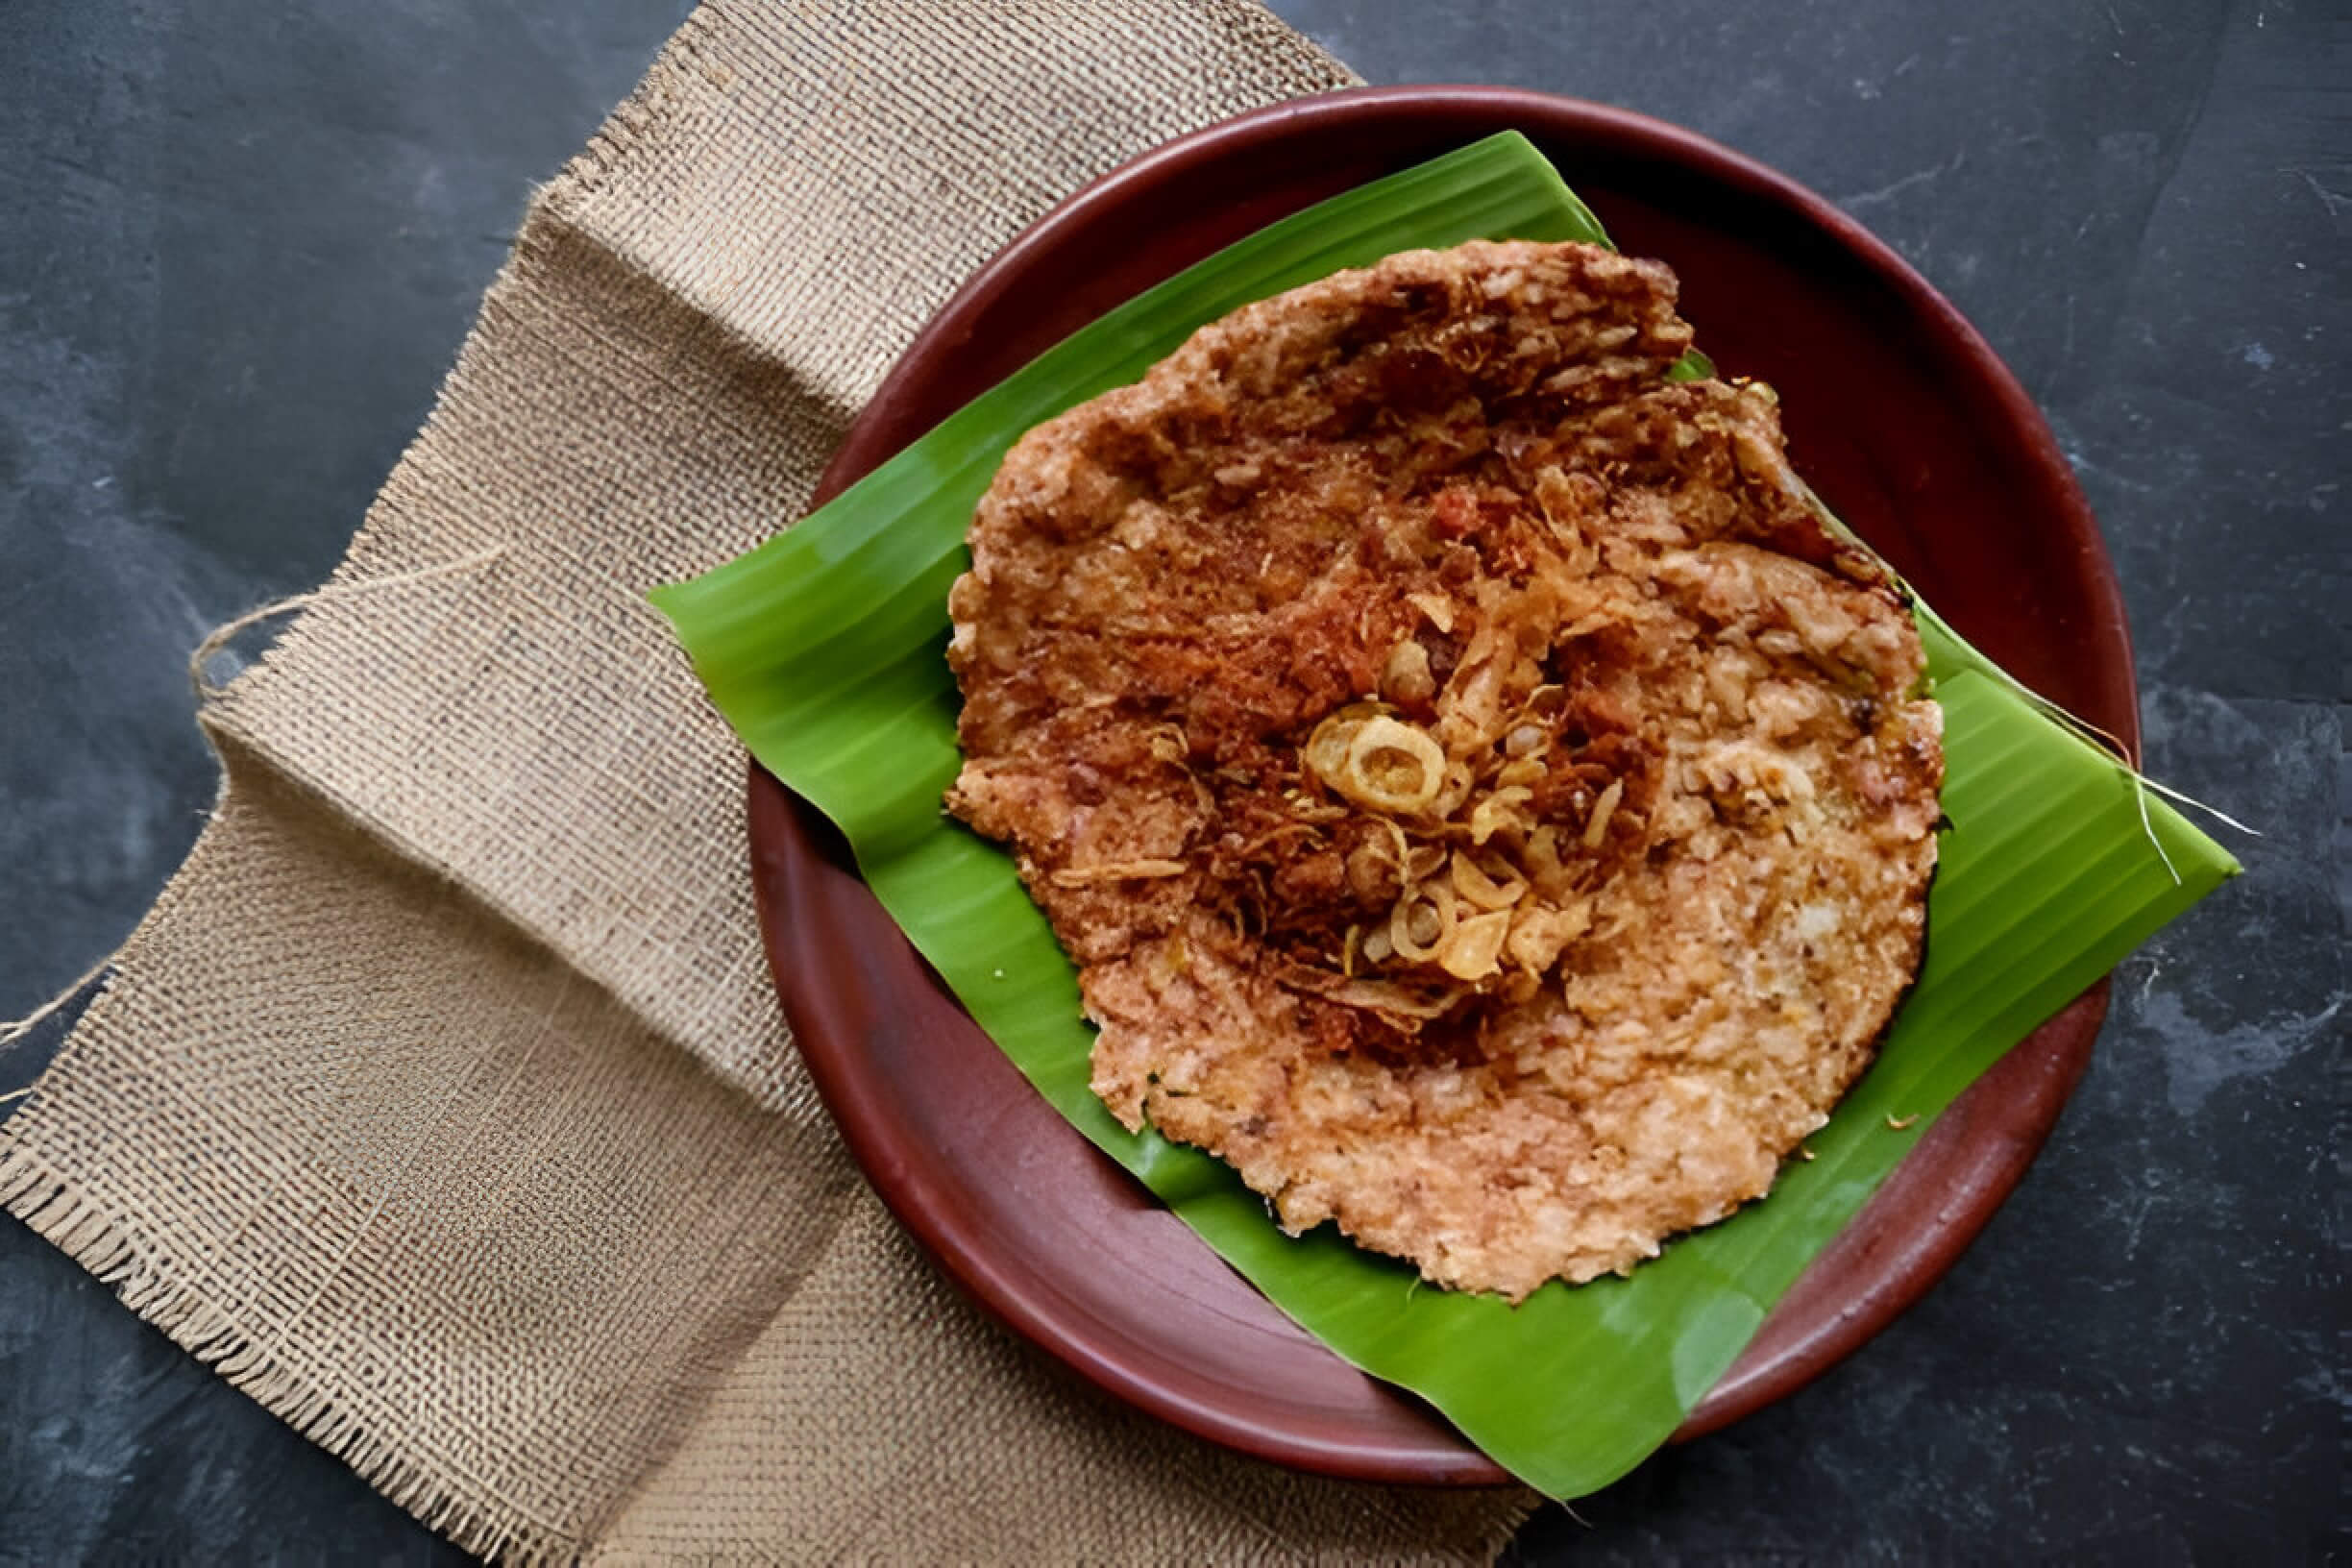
[1485,806]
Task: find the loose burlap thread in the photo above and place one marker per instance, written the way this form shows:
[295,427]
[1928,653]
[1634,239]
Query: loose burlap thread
[442,1102]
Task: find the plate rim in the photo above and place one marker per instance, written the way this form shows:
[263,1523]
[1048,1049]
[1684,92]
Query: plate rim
[2031,1087]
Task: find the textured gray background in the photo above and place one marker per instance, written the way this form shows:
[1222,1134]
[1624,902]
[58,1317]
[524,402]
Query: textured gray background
[240,242]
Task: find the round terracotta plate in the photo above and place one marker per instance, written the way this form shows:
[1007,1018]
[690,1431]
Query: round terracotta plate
[1899,413]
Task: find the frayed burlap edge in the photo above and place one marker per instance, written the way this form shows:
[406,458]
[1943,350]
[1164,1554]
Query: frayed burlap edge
[45,1200]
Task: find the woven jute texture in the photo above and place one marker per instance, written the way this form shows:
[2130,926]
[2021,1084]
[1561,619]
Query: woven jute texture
[442,1102]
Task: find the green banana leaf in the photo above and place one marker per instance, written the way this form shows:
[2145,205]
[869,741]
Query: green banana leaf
[824,649]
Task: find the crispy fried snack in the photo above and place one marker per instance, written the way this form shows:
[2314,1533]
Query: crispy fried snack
[1485,806]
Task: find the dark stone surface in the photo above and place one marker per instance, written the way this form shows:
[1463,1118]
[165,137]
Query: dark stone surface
[240,243]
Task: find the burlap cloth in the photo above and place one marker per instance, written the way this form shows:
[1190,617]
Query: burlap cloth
[442,1102]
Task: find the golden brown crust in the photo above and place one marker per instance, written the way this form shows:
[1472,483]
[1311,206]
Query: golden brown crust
[1485,806]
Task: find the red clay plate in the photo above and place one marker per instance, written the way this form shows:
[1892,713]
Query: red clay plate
[1899,413]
